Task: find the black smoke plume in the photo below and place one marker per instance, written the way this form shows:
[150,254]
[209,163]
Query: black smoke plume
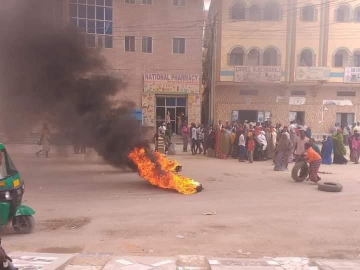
[46,72]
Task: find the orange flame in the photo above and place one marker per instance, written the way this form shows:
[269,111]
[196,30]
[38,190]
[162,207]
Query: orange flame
[167,164]
[164,177]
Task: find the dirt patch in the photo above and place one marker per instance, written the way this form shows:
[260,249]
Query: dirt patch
[67,250]
[64,223]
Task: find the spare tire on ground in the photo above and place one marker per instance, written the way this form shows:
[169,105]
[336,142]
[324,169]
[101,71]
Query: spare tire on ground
[300,171]
[330,187]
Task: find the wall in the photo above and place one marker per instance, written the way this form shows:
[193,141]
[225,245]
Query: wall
[241,33]
[228,99]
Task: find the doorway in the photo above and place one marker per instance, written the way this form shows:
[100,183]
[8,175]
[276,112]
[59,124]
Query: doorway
[250,116]
[343,118]
[175,106]
[298,117]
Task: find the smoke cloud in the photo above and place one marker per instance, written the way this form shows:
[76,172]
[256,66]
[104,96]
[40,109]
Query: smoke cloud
[46,72]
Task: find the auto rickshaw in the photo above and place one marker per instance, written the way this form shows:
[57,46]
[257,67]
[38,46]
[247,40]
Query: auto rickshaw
[12,189]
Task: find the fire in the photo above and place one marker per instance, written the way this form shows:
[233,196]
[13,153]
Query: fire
[163,173]
[167,164]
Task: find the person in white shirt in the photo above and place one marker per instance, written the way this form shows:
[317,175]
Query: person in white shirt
[193,138]
[242,148]
[300,144]
[162,129]
[346,133]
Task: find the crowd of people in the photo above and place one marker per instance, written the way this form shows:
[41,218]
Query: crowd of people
[282,144]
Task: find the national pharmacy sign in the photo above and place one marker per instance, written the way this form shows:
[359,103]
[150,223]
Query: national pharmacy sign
[171,82]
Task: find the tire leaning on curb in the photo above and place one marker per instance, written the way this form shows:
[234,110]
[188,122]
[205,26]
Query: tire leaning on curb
[330,187]
[300,171]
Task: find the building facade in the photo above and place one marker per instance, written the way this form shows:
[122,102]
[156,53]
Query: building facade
[154,46]
[284,60]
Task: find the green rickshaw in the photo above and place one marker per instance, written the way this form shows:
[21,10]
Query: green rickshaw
[12,189]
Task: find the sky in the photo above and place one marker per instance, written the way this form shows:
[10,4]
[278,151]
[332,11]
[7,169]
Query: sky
[207,3]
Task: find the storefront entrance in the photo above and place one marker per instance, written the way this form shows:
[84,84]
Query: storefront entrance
[343,118]
[298,117]
[175,106]
[250,116]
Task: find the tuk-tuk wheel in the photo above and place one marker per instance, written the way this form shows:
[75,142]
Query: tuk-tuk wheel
[23,224]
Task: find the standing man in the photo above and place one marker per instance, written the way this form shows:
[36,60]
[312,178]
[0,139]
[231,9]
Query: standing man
[346,133]
[300,144]
[242,149]
[44,142]
[179,124]
[292,132]
[193,138]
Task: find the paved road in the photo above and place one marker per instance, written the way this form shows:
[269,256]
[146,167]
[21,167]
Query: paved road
[91,207]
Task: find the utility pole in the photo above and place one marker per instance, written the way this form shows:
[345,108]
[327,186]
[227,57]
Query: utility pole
[213,43]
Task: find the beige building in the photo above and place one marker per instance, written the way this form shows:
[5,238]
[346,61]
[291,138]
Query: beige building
[283,60]
[154,46]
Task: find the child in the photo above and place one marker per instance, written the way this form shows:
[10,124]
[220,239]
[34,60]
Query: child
[251,148]
[314,159]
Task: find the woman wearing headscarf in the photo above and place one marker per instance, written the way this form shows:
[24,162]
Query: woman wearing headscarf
[326,150]
[218,141]
[225,144]
[262,145]
[185,133]
[271,142]
[282,153]
[355,147]
[339,148]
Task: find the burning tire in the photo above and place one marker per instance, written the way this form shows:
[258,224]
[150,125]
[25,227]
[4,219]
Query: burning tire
[330,187]
[300,171]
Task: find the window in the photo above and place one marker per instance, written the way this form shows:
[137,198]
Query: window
[357,14]
[270,57]
[255,13]
[346,93]
[146,2]
[306,58]
[178,45]
[272,12]
[308,14]
[254,57]
[249,92]
[237,57]
[356,59]
[132,2]
[147,45]
[54,12]
[95,19]
[341,58]
[179,3]
[238,11]
[129,44]
[298,93]
[343,13]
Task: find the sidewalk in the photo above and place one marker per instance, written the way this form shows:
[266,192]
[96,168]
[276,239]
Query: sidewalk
[99,261]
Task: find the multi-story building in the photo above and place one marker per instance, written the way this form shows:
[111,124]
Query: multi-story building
[155,46]
[283,60]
